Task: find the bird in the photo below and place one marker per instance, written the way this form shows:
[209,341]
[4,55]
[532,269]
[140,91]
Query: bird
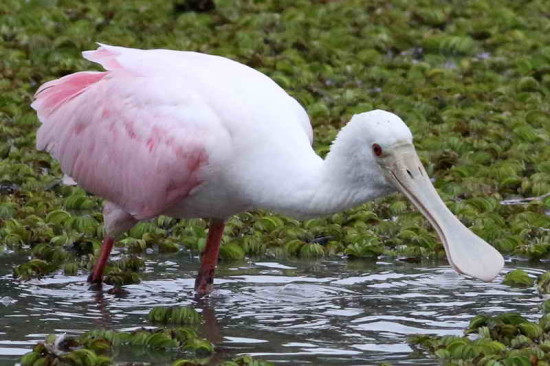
[192,135]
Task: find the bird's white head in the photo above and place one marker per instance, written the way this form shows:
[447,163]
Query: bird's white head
[354,152]
[380,154]
[381,127]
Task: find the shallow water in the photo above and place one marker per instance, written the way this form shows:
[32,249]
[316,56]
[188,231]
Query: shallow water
[289,312]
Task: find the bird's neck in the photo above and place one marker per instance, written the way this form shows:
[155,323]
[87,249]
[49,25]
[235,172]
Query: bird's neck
[315,187]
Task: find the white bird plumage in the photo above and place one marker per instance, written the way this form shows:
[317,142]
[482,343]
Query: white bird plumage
[187,134]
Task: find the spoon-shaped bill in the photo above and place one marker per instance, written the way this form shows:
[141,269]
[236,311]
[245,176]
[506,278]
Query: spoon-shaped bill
[467,253]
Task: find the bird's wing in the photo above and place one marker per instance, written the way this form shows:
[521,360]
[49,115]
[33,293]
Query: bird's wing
[127,135]
[229,86]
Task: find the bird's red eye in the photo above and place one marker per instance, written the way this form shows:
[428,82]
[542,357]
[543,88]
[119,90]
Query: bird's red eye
[376,149]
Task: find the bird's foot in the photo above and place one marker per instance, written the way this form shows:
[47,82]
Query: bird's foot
[95,282]
[204,284]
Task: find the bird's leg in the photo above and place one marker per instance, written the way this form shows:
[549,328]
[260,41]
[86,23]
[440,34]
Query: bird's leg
[116,222]
[97,275]
[205,278]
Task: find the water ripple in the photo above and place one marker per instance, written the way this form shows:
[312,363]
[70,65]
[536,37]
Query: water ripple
[329,312]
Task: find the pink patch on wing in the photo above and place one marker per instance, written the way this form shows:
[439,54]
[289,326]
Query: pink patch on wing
[79,127]
[194,159]
[55,93]
[158,136]
[129,126]
[151,143]
[180,153]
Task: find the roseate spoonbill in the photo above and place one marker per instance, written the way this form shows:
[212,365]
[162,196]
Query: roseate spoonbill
[186,134]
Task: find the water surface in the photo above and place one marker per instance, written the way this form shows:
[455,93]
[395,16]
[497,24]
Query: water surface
[325,312]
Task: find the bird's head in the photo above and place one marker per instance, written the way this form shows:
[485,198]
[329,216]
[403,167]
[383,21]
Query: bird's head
[385,144]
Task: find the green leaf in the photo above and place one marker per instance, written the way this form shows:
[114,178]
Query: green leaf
[518,278]
[29,359]
[543,283]
[477,322]
[312,250]
[58,217]
[176,316]
[231,252]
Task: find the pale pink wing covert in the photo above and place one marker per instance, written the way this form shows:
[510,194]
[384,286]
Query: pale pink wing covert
[124,136]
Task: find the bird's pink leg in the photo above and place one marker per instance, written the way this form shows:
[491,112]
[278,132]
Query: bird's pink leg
[205,278]
[97,275]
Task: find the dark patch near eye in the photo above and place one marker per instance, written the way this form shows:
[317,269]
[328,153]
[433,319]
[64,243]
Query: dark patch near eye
[377,149]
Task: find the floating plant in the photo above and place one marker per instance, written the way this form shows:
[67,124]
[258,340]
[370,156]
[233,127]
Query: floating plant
[518,278]
[471,79]
[543,283]
[506,339]
[479,116]
[174,316]
[95,348]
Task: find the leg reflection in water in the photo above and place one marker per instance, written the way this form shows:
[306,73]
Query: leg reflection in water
[211,330]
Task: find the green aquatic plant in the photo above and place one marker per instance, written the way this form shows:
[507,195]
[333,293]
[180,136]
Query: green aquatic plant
[518,278]
[506,339]
[70,268]
[471,81]
[311,250]
[174,315]
[118,277]
[130,263]
[231,252]
[35,268]
[62,350]
[543,283]
[184,362]
[367,248]
[95,348]
[239,361]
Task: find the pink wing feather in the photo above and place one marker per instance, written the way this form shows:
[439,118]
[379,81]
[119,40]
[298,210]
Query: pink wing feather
[122,136]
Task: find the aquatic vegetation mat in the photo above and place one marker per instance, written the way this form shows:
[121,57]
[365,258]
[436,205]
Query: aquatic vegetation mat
[93,348]
[504,340]
[470,78]
[99,347]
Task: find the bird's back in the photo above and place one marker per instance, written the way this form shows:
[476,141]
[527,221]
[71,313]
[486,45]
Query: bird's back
[239,94]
